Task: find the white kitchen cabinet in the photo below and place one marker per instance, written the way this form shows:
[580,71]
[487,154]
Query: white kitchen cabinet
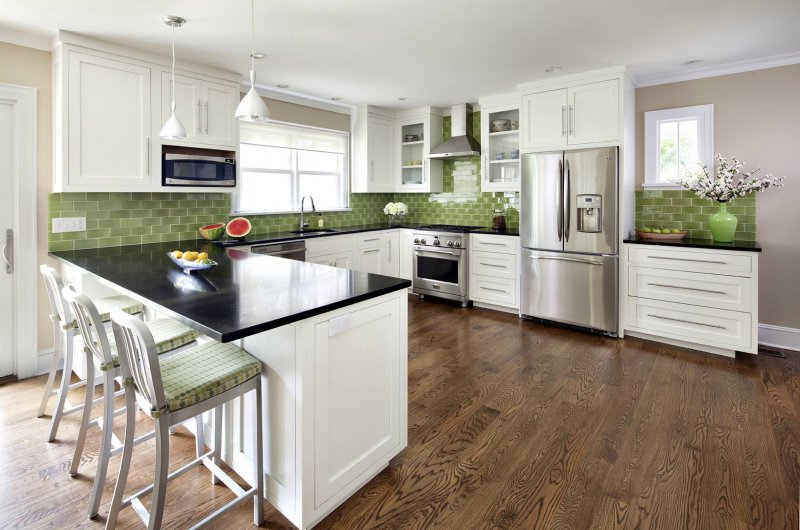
[704,299]
[406,254]
[104,136]
[417,133]
[371,259]
[500,162]
[391,265]
[373,152]
[581,114]
[205,108]
[493,274]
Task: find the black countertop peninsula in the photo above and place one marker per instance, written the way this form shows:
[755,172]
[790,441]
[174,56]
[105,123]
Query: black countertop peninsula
[246,294]
[687,242]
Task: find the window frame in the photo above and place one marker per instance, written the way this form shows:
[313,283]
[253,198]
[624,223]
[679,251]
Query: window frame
[704,114]
[295,172]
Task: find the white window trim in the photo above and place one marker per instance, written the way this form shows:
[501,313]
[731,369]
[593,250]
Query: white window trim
[705,140]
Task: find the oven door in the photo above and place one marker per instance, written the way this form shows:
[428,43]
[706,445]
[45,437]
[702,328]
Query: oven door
[440,272]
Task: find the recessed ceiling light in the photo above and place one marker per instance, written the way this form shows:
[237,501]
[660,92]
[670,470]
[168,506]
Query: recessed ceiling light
[551,69]
[258,55]
[336,98]
[692,61]
[283,85]
[402,98]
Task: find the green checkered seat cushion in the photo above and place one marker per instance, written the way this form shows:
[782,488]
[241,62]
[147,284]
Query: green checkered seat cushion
[167,334]
[195,375]
[105,305]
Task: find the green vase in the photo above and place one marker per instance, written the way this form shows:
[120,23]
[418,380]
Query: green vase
[723,224]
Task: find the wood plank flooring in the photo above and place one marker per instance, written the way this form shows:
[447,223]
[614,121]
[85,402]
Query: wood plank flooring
[512,424]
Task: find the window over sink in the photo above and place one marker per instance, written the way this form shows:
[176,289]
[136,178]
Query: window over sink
[675,140]
[281,162]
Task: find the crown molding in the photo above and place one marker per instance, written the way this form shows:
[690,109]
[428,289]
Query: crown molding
[735,67]
[29,40]
[298,98]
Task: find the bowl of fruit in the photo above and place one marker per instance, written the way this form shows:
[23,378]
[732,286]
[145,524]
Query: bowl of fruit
[191,260]
[661,233]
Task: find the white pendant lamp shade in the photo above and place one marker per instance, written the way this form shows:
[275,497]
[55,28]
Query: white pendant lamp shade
[173,129]
[252,108]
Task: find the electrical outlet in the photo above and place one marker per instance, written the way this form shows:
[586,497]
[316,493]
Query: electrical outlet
[69,224]
[338,325]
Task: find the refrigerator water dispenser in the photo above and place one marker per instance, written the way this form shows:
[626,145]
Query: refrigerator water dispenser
[590,213]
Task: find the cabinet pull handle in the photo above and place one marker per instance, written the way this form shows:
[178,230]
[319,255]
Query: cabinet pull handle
[206,106]
[572,120]
[493,244]
[8,251]
[687,288]
[147,168]
[492,289]
[563,120]
[689,259]
[370,251]
[493,265]
[372,239]
[688,322]
[199,118]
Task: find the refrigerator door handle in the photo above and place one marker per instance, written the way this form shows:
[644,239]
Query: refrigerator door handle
[564,258]
[566,201]
[560,220]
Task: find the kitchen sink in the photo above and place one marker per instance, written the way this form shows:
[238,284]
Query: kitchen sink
[315,231]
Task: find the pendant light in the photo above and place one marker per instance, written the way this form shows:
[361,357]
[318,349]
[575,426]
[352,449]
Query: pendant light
[173,129]
[252,107]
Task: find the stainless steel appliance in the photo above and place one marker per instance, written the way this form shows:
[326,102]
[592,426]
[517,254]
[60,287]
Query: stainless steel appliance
[441,262]
[197,170]
[568,234]
[295,250]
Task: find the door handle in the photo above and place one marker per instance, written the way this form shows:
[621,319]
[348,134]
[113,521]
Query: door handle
[567,206]
[715,262]
[8,251]
[682,321]
[572,120]
[199,119]
[712,291]
[147,169]
[563,120]
[370,251]
[560,220]
[372,171]
[206,106]
[576,260]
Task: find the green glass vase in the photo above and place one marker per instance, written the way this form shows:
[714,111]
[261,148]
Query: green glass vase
[723,224]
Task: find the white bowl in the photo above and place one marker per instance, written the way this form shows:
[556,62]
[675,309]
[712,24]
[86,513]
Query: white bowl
[500,125]
[191,266]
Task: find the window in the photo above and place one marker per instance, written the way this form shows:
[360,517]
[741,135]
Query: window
[675,140]
[280,163]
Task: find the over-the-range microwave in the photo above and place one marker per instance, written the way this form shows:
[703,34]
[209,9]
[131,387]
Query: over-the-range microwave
[197,170]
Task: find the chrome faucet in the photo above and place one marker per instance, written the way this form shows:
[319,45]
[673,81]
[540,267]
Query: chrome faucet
[303,223]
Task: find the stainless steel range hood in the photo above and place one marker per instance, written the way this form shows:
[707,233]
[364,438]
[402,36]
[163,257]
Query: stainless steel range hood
[460,143]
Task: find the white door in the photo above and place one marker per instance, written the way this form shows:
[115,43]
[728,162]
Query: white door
[391,263]
[594,110]
[219,107]
[7,157]
[370,259]
[188,104]
[544,119]
[110,144]
[381,159]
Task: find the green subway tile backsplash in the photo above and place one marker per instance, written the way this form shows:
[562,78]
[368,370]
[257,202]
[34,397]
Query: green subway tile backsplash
[135,218]
[684,210]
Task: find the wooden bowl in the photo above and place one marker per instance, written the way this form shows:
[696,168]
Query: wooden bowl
[651,235]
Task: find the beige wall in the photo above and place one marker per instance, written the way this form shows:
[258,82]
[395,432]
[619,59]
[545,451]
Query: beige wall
[29,67]
[756,119]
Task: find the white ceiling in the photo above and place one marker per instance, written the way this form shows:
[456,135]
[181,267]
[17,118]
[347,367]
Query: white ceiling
[435,52]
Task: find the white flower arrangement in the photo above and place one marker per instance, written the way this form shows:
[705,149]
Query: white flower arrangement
[729,181]
[397,209]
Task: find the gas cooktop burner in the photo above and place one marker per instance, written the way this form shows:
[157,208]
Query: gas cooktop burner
[448,228]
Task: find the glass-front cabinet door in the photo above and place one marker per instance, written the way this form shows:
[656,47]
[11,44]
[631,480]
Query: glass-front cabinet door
[417,133]
[500,167]
[412,154]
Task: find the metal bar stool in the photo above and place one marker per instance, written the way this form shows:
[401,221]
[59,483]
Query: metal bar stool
[175,389]
[65,329]
[168,336]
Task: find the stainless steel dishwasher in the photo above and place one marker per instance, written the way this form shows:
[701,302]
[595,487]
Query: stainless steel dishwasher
[286,249]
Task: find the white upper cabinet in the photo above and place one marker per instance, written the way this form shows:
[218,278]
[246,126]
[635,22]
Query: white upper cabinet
[582,114]
[500,141]
[106,142]
[206,109]
[219,107]
[188,103]
[373,152]
[416,135]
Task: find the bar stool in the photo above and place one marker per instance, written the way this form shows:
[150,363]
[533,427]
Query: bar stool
[175,389]
[100,348]
[65,329]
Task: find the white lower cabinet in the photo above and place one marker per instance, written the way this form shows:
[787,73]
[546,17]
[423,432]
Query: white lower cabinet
[335,406]
[379,252]
[406,254]
[700,298]
[494,271]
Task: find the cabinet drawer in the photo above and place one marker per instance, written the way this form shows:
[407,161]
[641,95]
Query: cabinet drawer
[490,243]
[369,239]
[691,260]
[493,265]
[328,245]
[499,291]
[712,327]
[709,290]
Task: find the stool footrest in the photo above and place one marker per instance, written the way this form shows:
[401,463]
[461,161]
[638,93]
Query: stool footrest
[178,472]
[224,477]
[245,496]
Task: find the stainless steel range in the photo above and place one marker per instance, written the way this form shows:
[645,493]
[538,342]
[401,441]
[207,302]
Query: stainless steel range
[441,262]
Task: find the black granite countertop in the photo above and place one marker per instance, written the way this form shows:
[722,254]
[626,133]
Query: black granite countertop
[508,232]
[746,246]
[246,294]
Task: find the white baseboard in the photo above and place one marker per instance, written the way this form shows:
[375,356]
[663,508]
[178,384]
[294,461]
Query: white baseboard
[43,361]
[780,337]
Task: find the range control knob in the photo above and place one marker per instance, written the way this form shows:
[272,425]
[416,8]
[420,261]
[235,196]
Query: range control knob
[457,244]
[416,240]
[450,243]
[422,241]
[436,242]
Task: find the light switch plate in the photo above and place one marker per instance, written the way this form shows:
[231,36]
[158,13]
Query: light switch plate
[69,224]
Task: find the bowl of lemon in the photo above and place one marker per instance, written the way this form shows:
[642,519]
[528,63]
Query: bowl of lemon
[191,260]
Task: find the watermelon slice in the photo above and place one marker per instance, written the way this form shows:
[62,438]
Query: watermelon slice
[238,228]
[212,232]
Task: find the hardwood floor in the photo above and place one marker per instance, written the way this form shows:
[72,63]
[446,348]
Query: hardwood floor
[512,424]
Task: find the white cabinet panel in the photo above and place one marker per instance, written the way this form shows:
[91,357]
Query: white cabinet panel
[709,290]
[544,119]
[109,127]
[494,265]
[219,107]
[391,265]
[188,99]
[739,263]
[370,259]
[594,113]
[406,254]
[380,155]
[492,243]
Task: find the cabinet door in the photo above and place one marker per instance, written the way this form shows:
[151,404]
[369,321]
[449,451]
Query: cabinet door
[380,154]
[188,96]
[370,259]
[391,263]
[406,255]
[356,419]
[320,260]
[109,130]
[219,107]
[544,119]
[594,113]
[343,260]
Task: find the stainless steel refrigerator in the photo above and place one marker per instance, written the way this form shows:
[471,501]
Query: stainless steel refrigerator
[568,233]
